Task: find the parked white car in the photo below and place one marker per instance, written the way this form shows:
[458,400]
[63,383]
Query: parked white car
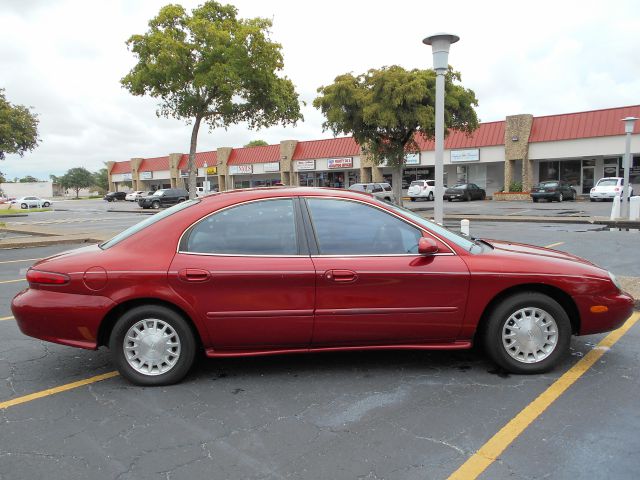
[32,202]
[133,196]
[382,191]
[607,188]
[421,189]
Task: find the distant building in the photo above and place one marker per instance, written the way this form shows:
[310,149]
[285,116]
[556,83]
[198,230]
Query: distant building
[579,148]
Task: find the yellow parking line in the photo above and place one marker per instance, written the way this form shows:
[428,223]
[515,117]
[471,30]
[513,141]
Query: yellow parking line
[18,261]
[13,281]
[554,245]
[6,318]
[53,391]
[491,450]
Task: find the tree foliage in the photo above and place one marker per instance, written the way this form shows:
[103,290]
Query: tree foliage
[257,143]
[101,180]
[385,109]
[28,179]
[212,67]
[18,128]
[77,178]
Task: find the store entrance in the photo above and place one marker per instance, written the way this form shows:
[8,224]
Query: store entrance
[587,179]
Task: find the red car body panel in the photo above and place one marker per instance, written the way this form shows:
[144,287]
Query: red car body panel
[250,305]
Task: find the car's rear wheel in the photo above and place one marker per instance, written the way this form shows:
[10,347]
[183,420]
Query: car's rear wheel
[560,197]
[152,345]
[24,205]
[527,333]
[430,197]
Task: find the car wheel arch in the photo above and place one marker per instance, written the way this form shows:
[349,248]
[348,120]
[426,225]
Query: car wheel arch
[557,294]
[110,319]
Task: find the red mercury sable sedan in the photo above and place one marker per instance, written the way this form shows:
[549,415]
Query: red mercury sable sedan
[284,270]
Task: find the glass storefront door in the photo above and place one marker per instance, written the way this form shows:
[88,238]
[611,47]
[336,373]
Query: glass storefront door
[587,178]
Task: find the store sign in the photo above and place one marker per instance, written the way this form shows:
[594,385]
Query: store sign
[126,176]
[146,175]
[306,164]
[212,170]
[467,155]
[412,159]
[240,169]
[184,173]
[334,163]
[272,167]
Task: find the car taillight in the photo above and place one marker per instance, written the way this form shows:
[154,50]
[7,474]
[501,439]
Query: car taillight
[46,278]
[616,189]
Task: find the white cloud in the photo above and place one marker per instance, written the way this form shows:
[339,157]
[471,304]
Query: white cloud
[66,58]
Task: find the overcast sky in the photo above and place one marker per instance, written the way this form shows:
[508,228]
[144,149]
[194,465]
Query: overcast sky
[65,58]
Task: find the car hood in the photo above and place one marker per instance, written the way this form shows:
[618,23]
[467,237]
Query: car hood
[502,246]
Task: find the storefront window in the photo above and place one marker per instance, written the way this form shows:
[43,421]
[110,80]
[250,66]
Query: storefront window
[549,171]
[570,172]
[308,179]
[611,166]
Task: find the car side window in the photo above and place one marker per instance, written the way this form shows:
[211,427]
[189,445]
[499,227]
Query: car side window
[377,188]
[264,227]
[368,230]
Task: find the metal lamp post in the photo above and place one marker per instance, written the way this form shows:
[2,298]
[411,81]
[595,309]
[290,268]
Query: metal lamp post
[626,190]
[440,43]
[206,183]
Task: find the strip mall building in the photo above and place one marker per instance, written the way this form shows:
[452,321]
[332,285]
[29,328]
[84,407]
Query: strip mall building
[579,148]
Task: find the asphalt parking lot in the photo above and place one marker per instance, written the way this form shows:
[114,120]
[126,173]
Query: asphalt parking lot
[395,415]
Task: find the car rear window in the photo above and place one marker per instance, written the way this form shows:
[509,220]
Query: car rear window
[418,183]
[608,182]
[549,184]
[147,222]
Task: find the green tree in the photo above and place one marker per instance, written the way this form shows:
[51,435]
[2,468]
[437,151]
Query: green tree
[212,67]
[101,180]
[77,178]
[257,143]
[28,179]
[385,109]
[18,128]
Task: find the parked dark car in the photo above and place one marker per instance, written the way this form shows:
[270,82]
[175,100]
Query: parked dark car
[465,191]
[164,197]
[553,190]
[112,196]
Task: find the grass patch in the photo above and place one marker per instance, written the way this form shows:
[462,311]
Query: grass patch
[8,213]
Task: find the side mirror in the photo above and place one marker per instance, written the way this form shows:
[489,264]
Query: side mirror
[427,246]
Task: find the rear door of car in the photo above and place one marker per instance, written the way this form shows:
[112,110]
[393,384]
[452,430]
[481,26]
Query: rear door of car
[373,288]
[247,272]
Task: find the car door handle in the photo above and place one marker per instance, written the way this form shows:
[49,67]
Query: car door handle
[341,276]
[193,275]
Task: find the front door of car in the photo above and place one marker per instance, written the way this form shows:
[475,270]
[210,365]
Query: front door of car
[246,274]
[373,288]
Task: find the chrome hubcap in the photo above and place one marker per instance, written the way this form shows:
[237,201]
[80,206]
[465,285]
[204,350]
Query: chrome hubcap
[151,346]
[530,335]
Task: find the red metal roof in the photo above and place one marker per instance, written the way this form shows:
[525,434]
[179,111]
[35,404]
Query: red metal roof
[571,126]
[486,135]
[210,157]
[332,147]
[154,164]
[121,167]
[263,154]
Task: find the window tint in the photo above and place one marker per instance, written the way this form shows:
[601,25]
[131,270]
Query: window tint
[377,188]
[350,228]
[259,228]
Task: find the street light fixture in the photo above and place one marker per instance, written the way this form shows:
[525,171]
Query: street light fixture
[440,44]
[626,190]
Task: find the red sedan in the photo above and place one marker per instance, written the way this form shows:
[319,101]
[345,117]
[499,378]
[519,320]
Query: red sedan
[284,270]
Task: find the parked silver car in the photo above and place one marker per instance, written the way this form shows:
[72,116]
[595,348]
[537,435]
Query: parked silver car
[32,202]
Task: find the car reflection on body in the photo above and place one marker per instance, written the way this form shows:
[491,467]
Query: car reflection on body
[465,191]
[285,270]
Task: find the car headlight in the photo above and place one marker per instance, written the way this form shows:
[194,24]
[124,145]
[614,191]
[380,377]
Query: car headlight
[615,281]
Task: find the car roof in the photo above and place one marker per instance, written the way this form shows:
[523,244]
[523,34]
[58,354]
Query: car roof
[245,194]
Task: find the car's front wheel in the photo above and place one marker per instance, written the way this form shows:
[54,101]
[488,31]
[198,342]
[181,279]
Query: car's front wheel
[430,197]
[527,333]
[46,204]
[560,197]
[152,345]
[155,205]
[24,205]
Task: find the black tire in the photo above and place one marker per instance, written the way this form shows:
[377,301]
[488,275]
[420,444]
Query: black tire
[467,197]
[560,197]
[535,200]
[155,205]
[430,197]
[46,204]
[24,206]
[500,315]
[177,326]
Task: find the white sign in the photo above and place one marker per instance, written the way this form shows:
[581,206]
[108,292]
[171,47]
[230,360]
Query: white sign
[272,167]
[468,155]
[412,159]
[146,175]
[126,176]
[240,169]
[333,163]
[306,164]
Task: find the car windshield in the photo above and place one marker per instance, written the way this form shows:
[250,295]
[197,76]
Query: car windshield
[158,193]
[147,222]
[358,187]
[461,241]
[460,185]
[608,182]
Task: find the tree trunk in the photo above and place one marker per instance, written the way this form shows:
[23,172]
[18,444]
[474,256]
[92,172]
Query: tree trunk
[191,165]
[396,180]
[77,193]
